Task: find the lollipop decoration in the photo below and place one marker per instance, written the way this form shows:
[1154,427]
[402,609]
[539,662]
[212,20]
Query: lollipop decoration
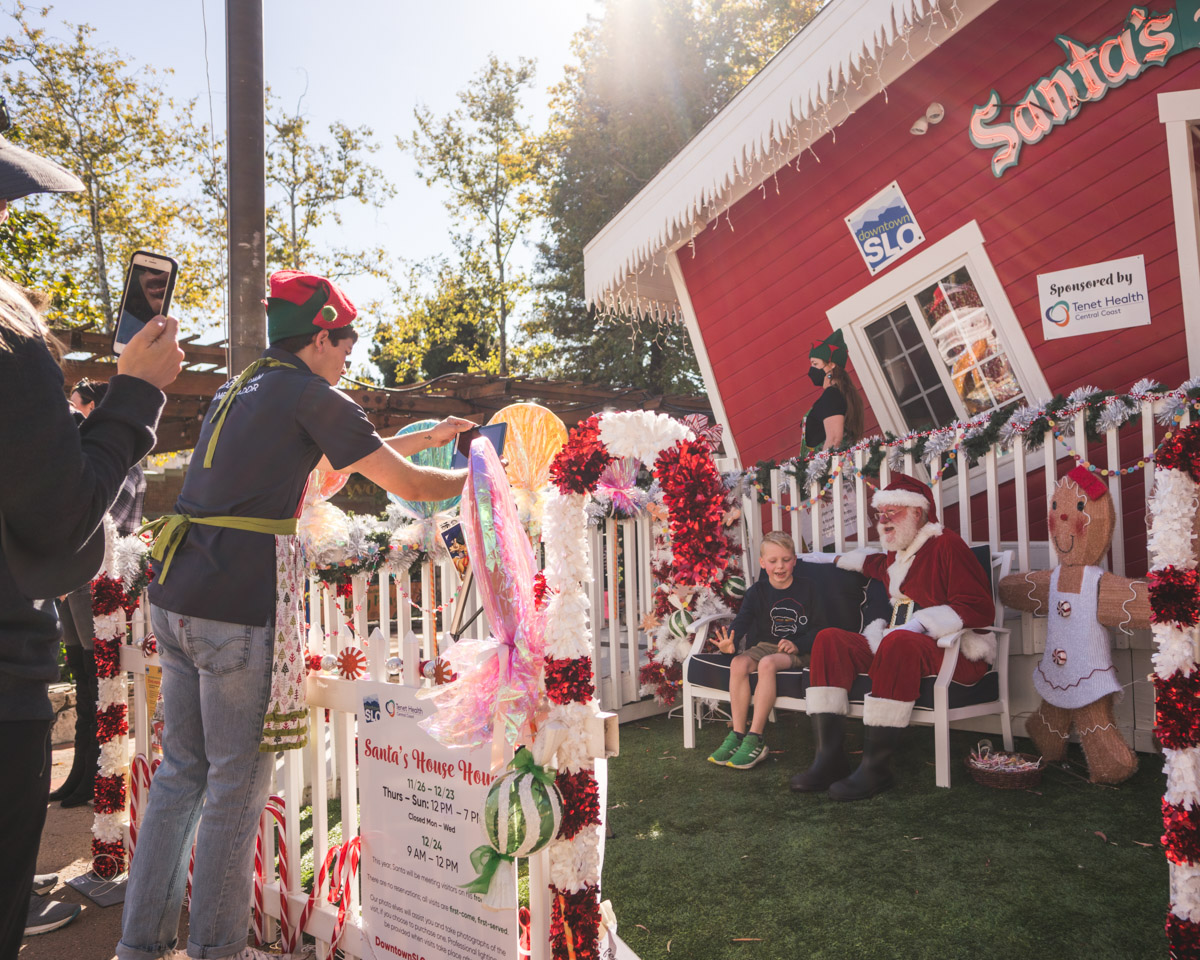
[441,457]
[535,435]
[499,683]
[351,663]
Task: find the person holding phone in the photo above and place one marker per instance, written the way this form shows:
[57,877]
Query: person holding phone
[224,564]
[57,480]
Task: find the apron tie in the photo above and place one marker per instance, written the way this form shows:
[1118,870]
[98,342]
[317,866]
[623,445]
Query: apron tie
[169,532]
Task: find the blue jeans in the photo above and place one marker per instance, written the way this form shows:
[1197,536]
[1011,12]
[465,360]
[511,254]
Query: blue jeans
[215,685]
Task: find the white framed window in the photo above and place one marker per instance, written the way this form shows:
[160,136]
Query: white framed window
[936,340]
[1179,112]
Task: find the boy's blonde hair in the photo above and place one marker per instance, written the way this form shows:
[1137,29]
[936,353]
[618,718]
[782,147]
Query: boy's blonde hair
[780,539]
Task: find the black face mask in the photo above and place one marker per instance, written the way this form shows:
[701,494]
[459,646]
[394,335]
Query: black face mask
[817,376]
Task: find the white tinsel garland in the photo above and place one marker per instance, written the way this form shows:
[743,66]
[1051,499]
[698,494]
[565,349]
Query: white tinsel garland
[129,558]
[111,690]
[1172,505]
[1081,395]
[112,757]
[110,625]
[1018,424]
[574,753]
[109,827]
[641,434]
[1175,649]
[575,863]
[1185,892]
[1183,776]
[567,634]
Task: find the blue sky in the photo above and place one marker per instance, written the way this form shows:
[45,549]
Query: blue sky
[362,62]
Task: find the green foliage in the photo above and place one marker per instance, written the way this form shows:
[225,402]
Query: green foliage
[491,162]
[650,74]
[307,181]
[113,126]
[29,242]
[917,872]
[439,322]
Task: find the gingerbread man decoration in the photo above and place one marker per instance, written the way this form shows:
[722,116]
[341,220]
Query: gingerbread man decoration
[1076,678]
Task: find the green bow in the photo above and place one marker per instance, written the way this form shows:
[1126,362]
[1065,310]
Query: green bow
[485,861]
[169,531]
[523,763]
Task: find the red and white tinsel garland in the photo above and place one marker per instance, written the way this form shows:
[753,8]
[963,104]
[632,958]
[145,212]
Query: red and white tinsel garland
[109,604]
[1175,602]
[687,475]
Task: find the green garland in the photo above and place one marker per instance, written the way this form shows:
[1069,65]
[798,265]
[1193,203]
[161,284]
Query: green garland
[343,573]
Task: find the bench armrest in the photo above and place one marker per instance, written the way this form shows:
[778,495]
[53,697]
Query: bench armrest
[700,628]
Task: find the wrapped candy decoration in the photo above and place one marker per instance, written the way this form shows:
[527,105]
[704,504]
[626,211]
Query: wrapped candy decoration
[441,457]
[734,587]
[678,623]
[522,813]
[351,663]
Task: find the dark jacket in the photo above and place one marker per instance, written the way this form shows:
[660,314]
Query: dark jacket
[768,615]
[56,483]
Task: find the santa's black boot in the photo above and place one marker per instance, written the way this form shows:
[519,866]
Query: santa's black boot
[830,764]
[874,774]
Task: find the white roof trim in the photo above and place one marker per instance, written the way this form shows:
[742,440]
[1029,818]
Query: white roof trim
[842,58]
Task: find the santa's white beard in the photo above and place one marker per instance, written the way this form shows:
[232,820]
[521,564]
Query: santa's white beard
[902,534]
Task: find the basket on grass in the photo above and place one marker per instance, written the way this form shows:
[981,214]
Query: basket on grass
[1004,771]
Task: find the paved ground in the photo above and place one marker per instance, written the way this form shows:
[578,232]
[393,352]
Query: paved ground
[66,850]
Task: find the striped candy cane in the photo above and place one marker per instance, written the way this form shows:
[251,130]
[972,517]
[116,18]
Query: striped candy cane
[339,869]
[191,869]
[273,811]
[139,786]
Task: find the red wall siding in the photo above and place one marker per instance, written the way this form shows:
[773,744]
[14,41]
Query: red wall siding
[1095,189]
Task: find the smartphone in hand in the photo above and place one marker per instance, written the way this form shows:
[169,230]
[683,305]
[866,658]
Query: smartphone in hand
[149,285]
[495,433]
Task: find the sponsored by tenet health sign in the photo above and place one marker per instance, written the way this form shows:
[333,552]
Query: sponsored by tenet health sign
[1095,298]
[884,228]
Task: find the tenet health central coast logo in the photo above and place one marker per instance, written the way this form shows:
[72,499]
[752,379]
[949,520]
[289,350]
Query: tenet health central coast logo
[1059,313]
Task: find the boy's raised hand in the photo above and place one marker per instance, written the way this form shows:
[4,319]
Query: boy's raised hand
[724,639]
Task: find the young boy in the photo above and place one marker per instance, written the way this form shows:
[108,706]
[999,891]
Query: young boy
[775,628]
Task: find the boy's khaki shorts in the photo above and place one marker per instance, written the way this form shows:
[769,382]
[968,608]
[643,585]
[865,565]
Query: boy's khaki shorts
[798,660]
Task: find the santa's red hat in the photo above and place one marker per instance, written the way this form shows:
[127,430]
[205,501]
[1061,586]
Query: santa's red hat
[906,491]
[303,303]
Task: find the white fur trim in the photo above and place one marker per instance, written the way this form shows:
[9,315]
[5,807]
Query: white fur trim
[827,700]
[878,712]
[899,568]
[900,498]
[939,621]
[978,645]
[874,632]
[855,559]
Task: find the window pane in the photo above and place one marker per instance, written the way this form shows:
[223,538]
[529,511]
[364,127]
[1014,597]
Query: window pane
[966,343]
[908,369]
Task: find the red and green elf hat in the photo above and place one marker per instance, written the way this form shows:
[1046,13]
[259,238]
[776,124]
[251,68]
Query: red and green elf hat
[302,303]
[830,350]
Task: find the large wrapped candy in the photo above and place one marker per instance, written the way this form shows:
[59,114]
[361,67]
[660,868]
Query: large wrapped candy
[522,813]
[441,457]
[535,435]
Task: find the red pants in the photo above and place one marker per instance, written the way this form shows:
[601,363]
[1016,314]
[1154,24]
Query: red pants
[903,658]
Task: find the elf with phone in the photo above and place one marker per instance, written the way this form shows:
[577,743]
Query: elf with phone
[226,611]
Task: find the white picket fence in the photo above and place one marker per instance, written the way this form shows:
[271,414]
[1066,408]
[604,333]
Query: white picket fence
[420,604]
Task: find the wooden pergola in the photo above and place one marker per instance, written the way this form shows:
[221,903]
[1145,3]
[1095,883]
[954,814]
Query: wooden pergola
[467,395]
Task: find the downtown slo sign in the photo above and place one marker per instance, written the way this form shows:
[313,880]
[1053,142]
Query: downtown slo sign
[1088,73]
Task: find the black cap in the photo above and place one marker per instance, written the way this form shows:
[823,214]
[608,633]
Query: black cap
[23,173]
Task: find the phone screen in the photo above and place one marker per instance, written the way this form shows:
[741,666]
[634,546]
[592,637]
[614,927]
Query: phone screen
[147,295]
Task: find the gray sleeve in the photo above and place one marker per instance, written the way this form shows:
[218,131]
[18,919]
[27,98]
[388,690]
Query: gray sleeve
[337,425]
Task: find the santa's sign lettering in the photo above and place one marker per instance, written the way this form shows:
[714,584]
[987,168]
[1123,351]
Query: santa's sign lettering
[1089,72]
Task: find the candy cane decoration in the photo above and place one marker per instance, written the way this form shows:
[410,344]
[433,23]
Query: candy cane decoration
[139,781]
[191,869]
[273,811]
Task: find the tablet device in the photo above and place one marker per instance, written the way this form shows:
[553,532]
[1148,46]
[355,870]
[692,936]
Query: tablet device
[496,433]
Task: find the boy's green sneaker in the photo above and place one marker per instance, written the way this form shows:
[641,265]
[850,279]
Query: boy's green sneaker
[727,749]
[752,751]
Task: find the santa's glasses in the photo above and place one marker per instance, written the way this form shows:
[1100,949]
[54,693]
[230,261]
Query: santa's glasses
[887,516]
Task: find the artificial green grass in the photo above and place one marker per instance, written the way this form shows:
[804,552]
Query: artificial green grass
[708,862]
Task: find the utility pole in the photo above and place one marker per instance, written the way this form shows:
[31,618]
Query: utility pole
[246,123]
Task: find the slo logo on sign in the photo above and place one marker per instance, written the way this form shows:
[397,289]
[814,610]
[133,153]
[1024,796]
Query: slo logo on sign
[884,228]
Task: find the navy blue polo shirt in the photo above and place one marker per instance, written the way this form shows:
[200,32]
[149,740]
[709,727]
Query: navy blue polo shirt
[277,428]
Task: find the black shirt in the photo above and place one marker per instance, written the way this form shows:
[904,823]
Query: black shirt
[830,403]
[56,482]
[277,427]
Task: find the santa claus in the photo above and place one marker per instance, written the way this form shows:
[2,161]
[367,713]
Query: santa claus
[938,591]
